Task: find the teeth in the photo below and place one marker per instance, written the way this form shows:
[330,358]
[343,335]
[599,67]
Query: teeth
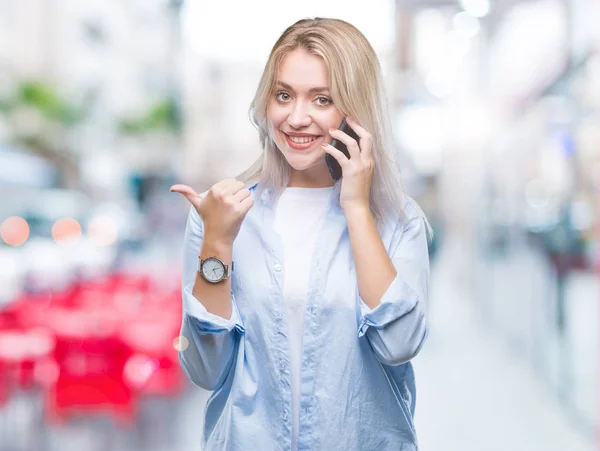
[303,140]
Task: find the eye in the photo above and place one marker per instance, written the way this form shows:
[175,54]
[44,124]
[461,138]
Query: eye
[282,96]
[323,101]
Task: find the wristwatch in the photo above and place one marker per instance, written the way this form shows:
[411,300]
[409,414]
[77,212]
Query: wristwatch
[214,270]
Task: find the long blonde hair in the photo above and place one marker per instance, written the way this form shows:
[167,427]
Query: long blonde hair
[357,91]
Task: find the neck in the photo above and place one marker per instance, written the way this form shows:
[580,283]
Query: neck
[315,179]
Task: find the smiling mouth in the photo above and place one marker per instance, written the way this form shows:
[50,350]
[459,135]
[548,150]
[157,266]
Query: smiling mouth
[302,139]
[301,142]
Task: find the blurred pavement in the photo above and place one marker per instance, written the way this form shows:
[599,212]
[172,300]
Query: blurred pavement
[472,393]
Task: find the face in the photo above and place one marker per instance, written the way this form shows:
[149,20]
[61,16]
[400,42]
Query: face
[300,114]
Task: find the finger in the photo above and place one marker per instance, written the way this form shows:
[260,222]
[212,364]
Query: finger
[187,192]
[241,195]
[350,142]
[232,186]
[218,187]
[183,189]
[366,139]
[337,154]
[246,205]
[223,189]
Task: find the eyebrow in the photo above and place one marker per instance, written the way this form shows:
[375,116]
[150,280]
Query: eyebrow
[311,90]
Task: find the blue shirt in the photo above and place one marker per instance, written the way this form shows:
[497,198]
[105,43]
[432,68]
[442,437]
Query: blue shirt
[357,385]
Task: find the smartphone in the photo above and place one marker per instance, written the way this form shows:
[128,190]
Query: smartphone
[334,167]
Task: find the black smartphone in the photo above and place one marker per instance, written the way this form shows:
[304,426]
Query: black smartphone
[334,167]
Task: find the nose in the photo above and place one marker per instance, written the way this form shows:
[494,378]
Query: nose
[299,117]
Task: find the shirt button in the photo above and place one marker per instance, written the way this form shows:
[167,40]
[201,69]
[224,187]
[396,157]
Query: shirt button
[277,267]
[284,416]
[312,310]
[282,367]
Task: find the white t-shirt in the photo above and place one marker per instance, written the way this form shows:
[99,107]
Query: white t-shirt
[298,216]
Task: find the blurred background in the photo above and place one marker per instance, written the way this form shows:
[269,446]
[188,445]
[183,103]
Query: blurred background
[106,103]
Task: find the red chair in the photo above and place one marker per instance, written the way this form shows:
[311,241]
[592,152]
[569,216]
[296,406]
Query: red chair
[90,360]
[112,341]
[20,352]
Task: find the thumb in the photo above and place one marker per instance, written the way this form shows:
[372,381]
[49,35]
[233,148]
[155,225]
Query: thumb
[187,192]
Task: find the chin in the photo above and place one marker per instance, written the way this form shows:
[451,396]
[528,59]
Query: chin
[304,162]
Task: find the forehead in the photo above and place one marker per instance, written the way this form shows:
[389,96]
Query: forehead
[302,70]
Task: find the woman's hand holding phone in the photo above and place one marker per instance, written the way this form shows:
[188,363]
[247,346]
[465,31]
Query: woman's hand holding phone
[334,167]
[353,153]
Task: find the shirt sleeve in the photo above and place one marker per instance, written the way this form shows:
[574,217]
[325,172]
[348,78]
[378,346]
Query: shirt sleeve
[397,327]
[211,342]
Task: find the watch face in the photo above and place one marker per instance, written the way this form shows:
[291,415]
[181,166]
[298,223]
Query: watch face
[213,270]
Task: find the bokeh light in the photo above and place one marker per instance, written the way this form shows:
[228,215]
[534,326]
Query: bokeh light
[66,230]
[138,369]
[102,231]
[46,372]
[14,231]
[180,343]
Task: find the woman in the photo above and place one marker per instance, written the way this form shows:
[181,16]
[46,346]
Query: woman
[304,298]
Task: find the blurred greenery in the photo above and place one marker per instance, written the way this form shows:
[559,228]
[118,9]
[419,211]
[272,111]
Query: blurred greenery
[162,116]
[59,117]
[4,106]
[45,99]
[41,119]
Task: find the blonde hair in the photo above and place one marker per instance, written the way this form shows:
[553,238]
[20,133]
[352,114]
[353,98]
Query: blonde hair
[356,87]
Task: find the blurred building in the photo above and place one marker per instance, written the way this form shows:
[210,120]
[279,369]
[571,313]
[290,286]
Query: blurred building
[505,123]
[117,61]
[219,140]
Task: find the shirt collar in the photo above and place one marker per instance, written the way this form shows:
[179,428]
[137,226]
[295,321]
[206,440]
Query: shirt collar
[267,195]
